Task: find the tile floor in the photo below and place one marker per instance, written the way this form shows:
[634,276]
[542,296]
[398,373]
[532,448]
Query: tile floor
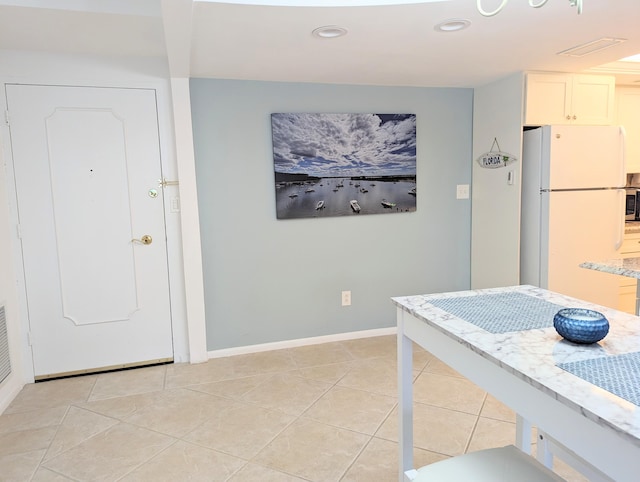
[316,413]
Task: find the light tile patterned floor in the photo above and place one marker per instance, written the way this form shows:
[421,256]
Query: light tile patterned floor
[316,413]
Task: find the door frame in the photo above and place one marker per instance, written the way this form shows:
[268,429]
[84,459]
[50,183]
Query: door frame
[168,163]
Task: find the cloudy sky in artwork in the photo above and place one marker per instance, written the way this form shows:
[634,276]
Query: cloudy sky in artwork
[326,145]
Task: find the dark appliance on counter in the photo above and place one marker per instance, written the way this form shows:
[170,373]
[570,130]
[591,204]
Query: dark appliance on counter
[632,205]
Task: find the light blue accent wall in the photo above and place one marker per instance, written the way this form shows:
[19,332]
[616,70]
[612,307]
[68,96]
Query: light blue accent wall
[270,280]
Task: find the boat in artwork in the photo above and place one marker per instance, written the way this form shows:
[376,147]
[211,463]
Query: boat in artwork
[320,205]
[354,205]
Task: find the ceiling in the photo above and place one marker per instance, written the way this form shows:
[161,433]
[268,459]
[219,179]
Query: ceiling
[385,45]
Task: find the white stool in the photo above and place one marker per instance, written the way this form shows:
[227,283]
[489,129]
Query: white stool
[505,464]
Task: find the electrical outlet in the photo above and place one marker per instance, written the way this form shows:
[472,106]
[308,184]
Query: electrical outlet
[346,298]
[462,191]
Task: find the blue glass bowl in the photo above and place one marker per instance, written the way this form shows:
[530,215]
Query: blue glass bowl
[580,325]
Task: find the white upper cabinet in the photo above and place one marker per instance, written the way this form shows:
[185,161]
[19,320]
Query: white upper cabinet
[569,99]
[628,116]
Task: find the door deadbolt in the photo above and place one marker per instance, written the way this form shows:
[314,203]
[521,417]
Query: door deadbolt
[146,239]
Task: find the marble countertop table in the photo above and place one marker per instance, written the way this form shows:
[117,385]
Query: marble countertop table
[503,340]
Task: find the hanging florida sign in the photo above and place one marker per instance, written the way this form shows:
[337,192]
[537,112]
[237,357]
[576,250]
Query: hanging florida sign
[495,159]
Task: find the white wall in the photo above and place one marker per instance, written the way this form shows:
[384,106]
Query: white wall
[266,297]
[270,280]
[495,226]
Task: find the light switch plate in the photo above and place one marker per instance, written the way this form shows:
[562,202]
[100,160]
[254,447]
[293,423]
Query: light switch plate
[175,204]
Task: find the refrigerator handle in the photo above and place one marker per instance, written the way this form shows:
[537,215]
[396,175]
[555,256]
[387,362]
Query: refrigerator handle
[622,201]
[623,153]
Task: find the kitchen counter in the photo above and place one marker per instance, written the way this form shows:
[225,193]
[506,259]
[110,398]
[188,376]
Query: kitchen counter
[629,267]
[631,227]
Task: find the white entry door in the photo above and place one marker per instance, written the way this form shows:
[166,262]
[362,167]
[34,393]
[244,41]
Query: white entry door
[87,165]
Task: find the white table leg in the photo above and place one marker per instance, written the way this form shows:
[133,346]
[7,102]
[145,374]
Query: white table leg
[544,454]
[405,399]
[523,434]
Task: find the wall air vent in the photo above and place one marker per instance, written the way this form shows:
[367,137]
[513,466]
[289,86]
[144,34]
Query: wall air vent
[5,363]
[591,47]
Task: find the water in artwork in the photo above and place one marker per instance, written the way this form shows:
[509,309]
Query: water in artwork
[334,197]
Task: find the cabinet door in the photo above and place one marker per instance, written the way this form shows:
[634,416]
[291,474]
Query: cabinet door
[628,115]
[627,300]
[548,99]
[560,99]
[592,101]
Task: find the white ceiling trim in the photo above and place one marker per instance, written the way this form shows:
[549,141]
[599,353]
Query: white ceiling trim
[321,3]
[145,8]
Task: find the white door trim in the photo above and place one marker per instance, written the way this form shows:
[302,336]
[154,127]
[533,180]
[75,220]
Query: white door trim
[192,249]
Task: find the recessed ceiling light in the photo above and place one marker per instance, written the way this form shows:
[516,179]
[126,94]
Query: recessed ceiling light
[452,25]
[329,31]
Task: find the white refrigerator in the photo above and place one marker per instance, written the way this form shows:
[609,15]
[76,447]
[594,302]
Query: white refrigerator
[572,210]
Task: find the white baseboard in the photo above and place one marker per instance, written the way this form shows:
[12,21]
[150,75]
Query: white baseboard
[316,340]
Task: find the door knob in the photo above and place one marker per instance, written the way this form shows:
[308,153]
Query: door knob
[146,239]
